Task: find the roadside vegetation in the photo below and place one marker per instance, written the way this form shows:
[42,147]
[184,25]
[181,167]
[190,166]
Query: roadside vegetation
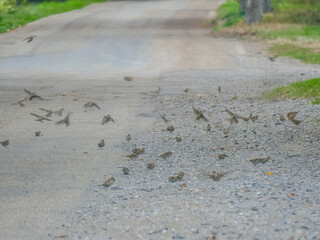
[304,89]
[12,16]
[293,27]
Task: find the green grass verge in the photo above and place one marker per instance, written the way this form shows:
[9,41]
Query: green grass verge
[307,55]
[303,89]
[229,14]
[28,13]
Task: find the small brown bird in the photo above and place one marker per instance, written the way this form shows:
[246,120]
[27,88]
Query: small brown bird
[173,178]
[208,128]
[166,155]
[49,112]
[125,171]
[219,89]
[151,165]
[101,144]
[178,139]
[170,128]
[291,115]
[107,119]
[37,133]
[128,138]
[108,182]
[91,104]
[281,117]
[5,143]
[163,116]
[216,176]
[66,120]
[199,114]
[128,78]
[256,161]
[29,39]
[40,118]
[222,156]
[180,176]
[296,122]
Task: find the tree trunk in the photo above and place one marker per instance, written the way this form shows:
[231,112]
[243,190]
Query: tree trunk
[253,11]
[267,7]
[242,5]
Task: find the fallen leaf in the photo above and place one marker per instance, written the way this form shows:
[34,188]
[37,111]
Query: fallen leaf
[269,173]
[291,195]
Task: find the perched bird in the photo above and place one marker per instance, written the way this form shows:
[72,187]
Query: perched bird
[37,133]
[173,178]
[108,182]
[219,89]
[125,171]
[151,165]
[178,139]
[291,115]
[128,78]
[5,143]
[49,112]
[199,114]
[296,122]
[163,116]
[107,119]
[208,128]
[281,117]
[166,154]
[170,128]
[256,161]
[101,144]
[91,104]
[128,138]
[216,176]
[222,156]
[272,59]
[40,118]
[66,120]
[180,176]
[29,39]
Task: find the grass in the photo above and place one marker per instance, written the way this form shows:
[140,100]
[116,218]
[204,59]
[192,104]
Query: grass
[229,14]
[21,15]
[303,89]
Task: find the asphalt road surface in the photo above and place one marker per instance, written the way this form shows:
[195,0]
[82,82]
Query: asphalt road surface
[83,56]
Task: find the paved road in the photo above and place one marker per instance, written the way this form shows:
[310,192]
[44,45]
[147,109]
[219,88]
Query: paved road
[83,56]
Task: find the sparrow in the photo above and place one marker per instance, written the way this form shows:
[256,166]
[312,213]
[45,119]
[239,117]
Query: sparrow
[178,139]
[101,144]
[170,128]
[108,182]
[222,156]
[150,165]
[66,120]
[163,116]
[208,128]
[128,78]
[40,118]
[199,114]
[106,119]
[216,176]
[5,143]
[125,171]
[180,176]
[281,117]
[173,178]
[296,122]
[291,115]
[91,104]
[186,90]
[49,112]
[29,39]
[219,89]
[256,161]
[272,59]
[166,155]
[37,133]
[128,138]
